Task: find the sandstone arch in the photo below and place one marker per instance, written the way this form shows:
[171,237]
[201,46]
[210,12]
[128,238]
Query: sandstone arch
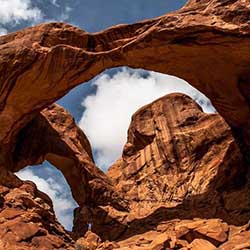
[206,43]
[203,43]
[54,136]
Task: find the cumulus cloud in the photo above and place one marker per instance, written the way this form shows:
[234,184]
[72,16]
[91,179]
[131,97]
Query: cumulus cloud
[14,11]
[63,205]
[108,112]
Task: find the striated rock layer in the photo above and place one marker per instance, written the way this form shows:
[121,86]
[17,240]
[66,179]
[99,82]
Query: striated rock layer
[178,164]
[54,136]
[175,151]
[27,218]
[206,43]
[183,175]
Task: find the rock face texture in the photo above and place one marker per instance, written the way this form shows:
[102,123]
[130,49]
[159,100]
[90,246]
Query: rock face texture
[183,175]
[183,179]
[64,145]
[206,43]
[175,151]
[27,220]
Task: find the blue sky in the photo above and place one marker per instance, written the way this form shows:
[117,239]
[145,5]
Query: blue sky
[94,97]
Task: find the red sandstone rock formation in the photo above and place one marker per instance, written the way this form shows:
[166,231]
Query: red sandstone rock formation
[175,151]
[183,175]
[27,219]
[196,167]
[206,43]
[54,136]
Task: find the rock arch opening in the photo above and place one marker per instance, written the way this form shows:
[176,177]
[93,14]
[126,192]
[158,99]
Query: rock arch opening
[64,145]
[203,43]
[54,136]
[116,95]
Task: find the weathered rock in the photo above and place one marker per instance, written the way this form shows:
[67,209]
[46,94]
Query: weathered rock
[206,43]
[199,244]
[54,136]
[178,164]
[27,220]
[175,151]
[193,166]
[239,241]
[90,241]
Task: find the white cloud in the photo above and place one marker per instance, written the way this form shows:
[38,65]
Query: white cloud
[63,206]
[108,112]
[14,11]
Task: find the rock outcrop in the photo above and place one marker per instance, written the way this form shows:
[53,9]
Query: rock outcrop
[27,219]
[206,43]
[183,175]
[54,136]
[175,151]
[179,163]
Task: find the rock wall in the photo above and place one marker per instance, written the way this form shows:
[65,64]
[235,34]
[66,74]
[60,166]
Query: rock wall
[175,151]
[184,177]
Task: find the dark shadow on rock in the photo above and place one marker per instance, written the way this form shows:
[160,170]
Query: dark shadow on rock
[227,198]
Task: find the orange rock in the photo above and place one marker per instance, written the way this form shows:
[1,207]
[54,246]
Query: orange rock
[178,164]
[90,241]
[27,221]
[239,241]
[173,164]
[174,151]
[205,42]
[64,145]
[199,244]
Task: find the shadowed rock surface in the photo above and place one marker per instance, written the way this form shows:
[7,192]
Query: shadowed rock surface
[54,136]
[184,174]
[206,43]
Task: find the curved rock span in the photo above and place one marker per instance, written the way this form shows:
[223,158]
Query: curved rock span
[206,43]
[178,164]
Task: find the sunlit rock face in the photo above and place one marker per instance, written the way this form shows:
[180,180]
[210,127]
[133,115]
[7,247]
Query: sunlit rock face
[189,164]
[184,177]
[175,151]
[205,43]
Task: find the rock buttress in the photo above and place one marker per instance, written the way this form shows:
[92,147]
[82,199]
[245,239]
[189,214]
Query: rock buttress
[183,175]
